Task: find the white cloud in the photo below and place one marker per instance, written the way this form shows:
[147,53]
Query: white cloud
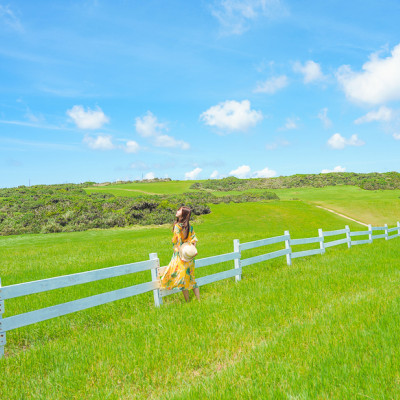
[311,71]
[336,169]
[264,173]
[244,171]
[338,142]
[232,115]
[169,141]
[377,83]
[241,172]
[272,85]
[396,136]
[323,116]
[214,175]
[291,123]
[235,15]
[383,114]
[132,146]
[149,175]
[90,119]
[193,174]
[101,142]
[148,126]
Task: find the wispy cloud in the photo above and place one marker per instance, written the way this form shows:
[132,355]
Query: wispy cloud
[9,19]
[148,126]
[235,16]
[383,114]
[276,144]
[323,116]
[41,145]
[35,125]
[338,168]
[272,85]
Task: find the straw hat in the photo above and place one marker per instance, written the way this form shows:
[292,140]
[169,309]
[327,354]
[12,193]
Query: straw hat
[187,252]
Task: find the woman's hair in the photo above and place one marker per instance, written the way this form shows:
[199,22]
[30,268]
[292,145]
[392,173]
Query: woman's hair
[184,220]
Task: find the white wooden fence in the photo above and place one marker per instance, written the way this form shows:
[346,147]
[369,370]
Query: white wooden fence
[153,264]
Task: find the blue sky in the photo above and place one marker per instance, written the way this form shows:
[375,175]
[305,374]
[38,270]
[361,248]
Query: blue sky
[110,90]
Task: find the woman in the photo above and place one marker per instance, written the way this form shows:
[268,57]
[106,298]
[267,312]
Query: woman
[180,273]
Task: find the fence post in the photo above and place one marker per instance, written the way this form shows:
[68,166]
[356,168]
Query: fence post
[287,246]
[2,334]
[236,248]
[398,230]
[154,278]
[348,237]
[386,232]
[370,233]
[321,244]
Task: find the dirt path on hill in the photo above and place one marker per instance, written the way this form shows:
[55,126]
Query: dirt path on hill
[341,215]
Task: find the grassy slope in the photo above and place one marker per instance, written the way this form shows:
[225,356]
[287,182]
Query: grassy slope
[324,328]
[376,207]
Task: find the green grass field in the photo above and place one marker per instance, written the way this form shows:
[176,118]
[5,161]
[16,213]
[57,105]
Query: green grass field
[376,207]
[326,327]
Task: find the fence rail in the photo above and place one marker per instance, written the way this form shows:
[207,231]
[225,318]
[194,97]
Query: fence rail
[153,264]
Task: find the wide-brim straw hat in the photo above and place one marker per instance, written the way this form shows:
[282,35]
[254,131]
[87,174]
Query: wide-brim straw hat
[187,252]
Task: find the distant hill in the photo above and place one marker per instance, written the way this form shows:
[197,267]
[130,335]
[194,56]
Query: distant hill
[370,181]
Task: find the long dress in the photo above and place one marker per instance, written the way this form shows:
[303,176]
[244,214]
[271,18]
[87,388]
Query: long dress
[180,274]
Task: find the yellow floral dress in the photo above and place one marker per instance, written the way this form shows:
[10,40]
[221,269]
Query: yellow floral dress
[180,274]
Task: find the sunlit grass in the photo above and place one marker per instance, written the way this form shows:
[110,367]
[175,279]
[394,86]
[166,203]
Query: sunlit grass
[326,327]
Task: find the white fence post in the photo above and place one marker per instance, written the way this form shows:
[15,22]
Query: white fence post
[287,246]
[236,248]
[154,278]
[348,236]
[321,244]
[2,334]
[386,232]
[370,233]
[398,230]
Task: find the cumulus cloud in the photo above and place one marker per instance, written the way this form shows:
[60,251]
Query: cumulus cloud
[101,142]
[377,83]
[148,126]
[90,119]
[264,173]
[132,146]
[396,136]
[311,71]
[235,15]
[323,116]
[338,142]
[214,175]
[193,174]
[383,114]
[336,169]
[272,85]
[241,172]
[232,115]
[244,171]
[149,175]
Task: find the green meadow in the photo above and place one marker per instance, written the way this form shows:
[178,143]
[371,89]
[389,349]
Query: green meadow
[376,207]
[327,327]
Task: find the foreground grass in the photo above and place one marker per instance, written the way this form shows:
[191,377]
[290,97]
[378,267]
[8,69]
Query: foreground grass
[327,327]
